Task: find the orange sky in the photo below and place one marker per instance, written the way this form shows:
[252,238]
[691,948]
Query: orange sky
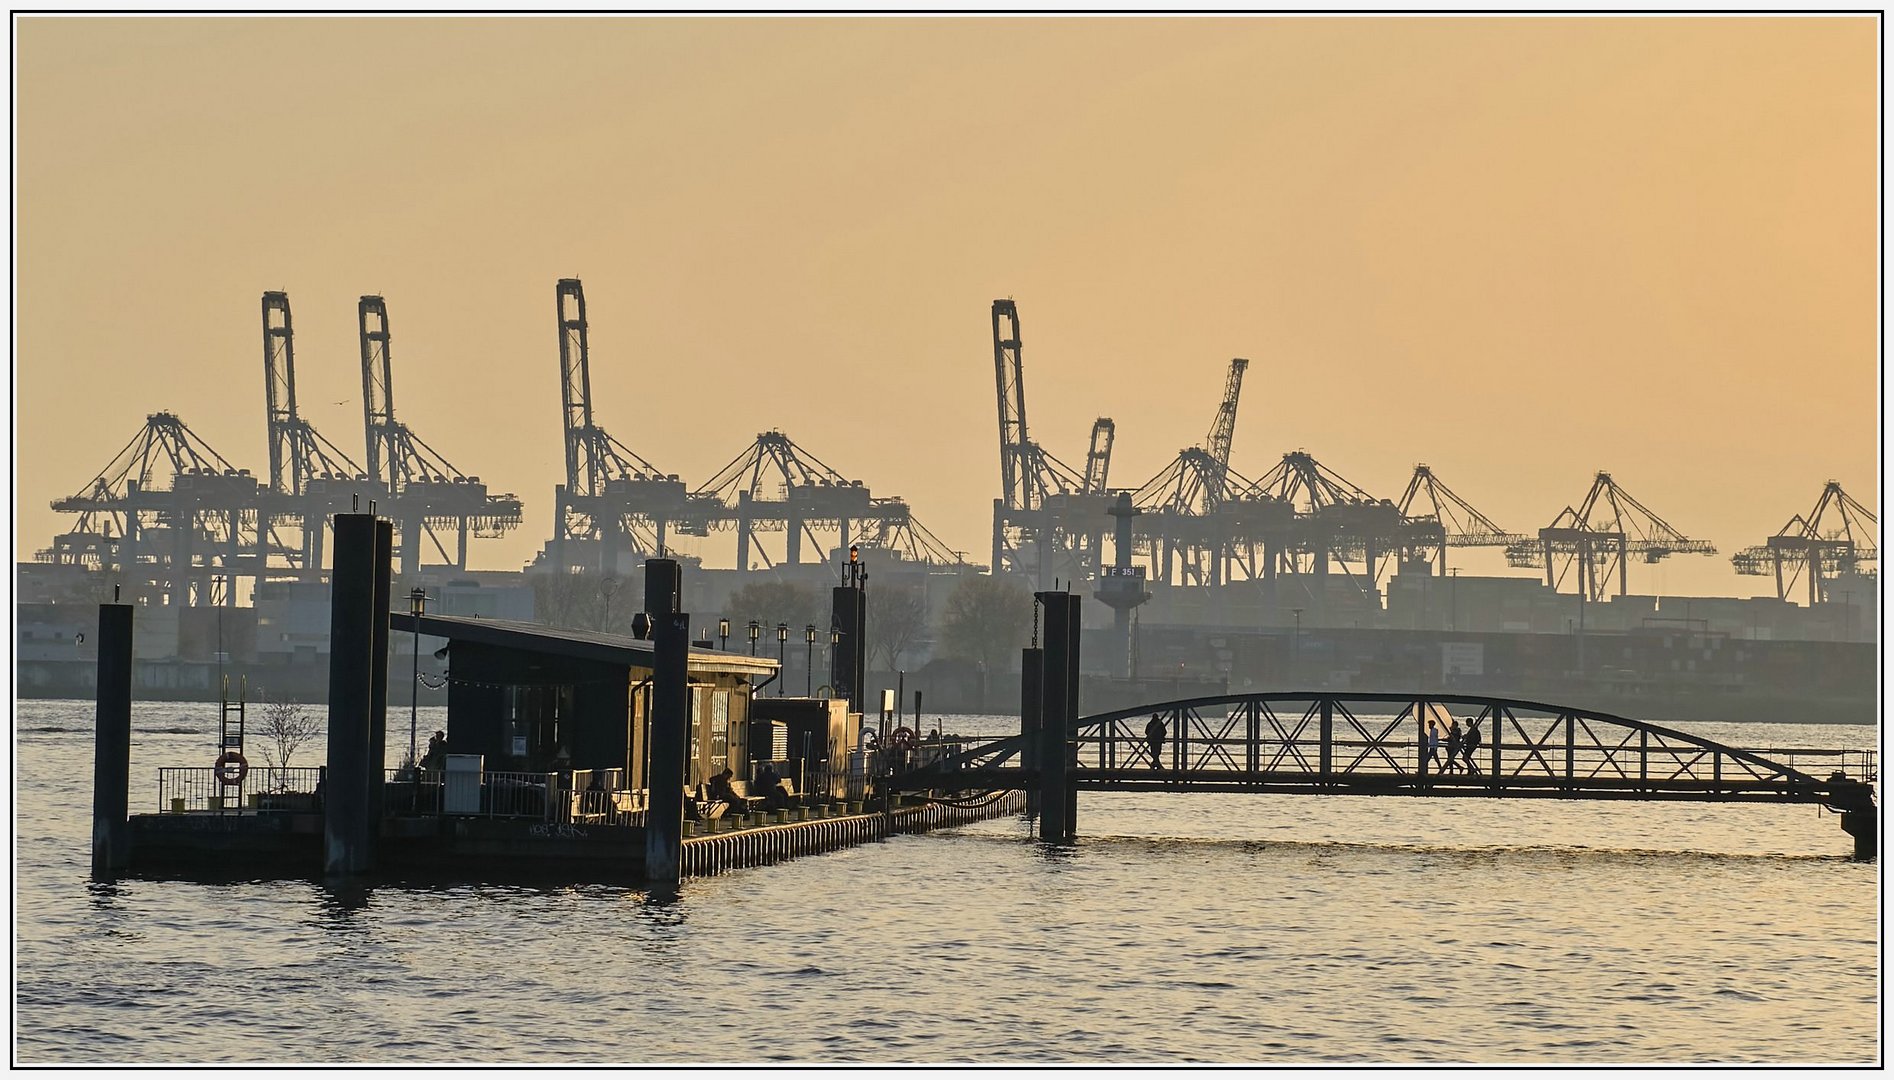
[1520,250]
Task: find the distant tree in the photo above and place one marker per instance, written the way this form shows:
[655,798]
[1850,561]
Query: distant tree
[88,588]
[774,602]
[896,619]
[286,726]
[986,620]
[585,601]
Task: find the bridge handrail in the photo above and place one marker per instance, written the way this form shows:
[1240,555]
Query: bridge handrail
[1011,745]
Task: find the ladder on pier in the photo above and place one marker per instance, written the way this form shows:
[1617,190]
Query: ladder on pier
[231,735]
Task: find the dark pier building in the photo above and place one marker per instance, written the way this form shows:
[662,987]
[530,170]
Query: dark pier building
[534,699]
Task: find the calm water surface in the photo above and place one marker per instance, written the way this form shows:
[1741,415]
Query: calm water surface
[1180,928]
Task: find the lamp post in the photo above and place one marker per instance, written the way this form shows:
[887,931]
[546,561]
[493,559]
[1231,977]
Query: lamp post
[808,663]
[756,631]
[606,589]
[417,606]
[1295,644]
[782,654]
[723,634]
[835,642]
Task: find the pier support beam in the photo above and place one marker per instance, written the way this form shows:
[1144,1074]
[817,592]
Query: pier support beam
[378,682]
[1862,825]
[346,825]
[1058,689]
[1031,662]
[848,660]
[670,720]
[112,743]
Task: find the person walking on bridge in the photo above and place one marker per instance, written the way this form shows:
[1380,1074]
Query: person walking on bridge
[1453,743]
[1431,749]
[1154,735]
[1471,743]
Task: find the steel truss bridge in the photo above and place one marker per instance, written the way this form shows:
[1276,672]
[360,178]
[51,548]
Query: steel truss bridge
[1371,744]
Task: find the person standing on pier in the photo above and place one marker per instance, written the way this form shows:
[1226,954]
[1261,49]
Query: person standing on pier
[1453,744]
[1154,735]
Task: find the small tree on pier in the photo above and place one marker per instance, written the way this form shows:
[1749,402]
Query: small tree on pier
[287,725]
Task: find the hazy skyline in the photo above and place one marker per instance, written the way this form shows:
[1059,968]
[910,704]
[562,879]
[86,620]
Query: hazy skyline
[1521,250]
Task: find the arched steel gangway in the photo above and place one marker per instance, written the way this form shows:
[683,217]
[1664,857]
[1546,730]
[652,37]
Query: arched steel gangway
[1374,744]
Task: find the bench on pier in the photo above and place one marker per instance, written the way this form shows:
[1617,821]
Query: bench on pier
[750,804]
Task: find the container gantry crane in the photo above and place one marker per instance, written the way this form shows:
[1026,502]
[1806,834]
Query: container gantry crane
[1836,537]
[310,477]
[1435,519]
[1045,511]
[1310,520]
[1598,538]
[1182,505]
[169,520]
[776,486]
[429,495]
[613,502]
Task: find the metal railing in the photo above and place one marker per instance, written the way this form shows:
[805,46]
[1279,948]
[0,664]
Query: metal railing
[198,789]
[595,796]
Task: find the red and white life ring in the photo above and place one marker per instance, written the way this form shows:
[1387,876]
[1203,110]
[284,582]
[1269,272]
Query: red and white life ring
[225,775]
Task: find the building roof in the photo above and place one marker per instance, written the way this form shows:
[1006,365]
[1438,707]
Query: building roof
[577,644]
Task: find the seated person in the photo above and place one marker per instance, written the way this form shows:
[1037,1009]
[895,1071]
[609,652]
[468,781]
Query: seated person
[721,790]
[769,786]
[436,757]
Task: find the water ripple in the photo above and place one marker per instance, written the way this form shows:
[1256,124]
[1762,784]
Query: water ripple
[1180,929]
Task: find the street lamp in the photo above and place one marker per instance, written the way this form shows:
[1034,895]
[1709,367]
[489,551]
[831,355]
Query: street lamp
[1295,643]
[782,654]
[756,631]
[808,663]
[417,606]
[723,634]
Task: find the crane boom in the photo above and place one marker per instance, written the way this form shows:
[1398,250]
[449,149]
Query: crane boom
[1463,525]
[1010,382]
[575,386]
[378,392]
[1098,458]
[279,388]
[1223,428]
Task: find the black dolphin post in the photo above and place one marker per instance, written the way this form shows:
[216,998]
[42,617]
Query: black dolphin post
[848,616]
[348,845]
[378,682]
[1058,685]
[112,743]
[1858,820]
[670,720]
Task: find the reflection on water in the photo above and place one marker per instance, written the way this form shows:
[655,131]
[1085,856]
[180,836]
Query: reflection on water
[1269,928]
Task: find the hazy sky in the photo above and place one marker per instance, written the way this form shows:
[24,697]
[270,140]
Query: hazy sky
[1520,250]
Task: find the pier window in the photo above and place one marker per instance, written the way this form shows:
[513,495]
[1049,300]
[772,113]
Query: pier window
[719,730]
